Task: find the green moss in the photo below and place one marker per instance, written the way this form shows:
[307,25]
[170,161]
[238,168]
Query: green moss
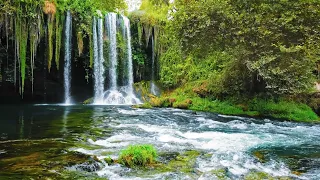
[263,176]
[58,28]
[138,155]
[184,162]
[88,101]
[258,176]
[23,52]
[283,109]
[50,40]
[40,159]
[109,161]
[187,98]
[219,174]
[143,106]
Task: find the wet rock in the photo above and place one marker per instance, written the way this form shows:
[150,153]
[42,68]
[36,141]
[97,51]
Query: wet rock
[88,101]
[168,156]
[185,162]
[219,174]
[259,156]
[87,166]
[263,176]
[109,161]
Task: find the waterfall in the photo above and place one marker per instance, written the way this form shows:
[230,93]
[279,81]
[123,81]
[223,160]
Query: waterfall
[114,95]
[67,59]
[131,96]
[111,20]
[152,85]
[98,60]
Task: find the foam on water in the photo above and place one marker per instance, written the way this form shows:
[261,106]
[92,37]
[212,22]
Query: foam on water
[229,140]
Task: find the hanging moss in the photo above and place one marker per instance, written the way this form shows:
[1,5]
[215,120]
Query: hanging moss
[139,32]
[50,43]
[23,53]
[91,51]
[147,32]
[49,8]
[58,28]
[33,42]
[80,42]
[17,42]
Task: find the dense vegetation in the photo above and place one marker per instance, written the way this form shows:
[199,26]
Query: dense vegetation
[238,51]
[28,25]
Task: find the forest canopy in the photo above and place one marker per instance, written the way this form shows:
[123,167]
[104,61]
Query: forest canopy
[242,47]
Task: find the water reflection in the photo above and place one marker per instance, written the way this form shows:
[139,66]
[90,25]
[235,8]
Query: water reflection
[66,113]
[21,125]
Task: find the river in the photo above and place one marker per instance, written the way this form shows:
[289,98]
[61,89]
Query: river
[33,136]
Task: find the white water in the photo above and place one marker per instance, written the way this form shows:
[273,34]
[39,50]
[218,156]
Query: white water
[229,141]
[130,96]
[114,95]
[98,60]
[153,86]
[67,59]
[112,34]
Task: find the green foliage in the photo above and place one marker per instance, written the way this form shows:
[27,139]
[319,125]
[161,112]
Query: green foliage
[272,47]
[188,97]
[138,155]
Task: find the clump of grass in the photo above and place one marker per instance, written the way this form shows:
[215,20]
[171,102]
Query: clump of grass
[138,155]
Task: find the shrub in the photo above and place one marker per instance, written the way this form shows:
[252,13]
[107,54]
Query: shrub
[138,155]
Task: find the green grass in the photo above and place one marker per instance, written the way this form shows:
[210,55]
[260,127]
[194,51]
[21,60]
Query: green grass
[256,107]
[202,104]
[283,109]
[138,155]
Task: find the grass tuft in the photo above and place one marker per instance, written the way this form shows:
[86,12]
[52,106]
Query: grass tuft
[138,155]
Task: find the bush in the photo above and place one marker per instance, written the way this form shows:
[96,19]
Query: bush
[138,155]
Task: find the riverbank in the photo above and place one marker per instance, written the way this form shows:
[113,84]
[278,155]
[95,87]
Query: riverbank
[195,98]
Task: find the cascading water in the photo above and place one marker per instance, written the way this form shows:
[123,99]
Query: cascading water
[112,34]
[153,87]
[114,95]
[67,57]
[131,97]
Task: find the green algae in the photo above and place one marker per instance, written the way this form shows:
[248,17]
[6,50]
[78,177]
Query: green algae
[44,159]
[263,176]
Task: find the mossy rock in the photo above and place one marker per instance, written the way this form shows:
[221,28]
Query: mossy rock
[46,159]
[258,176]
[88,101]
[263,176]
[184,162]
[143,106]
[259,156]
[109,160]
[219,174]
